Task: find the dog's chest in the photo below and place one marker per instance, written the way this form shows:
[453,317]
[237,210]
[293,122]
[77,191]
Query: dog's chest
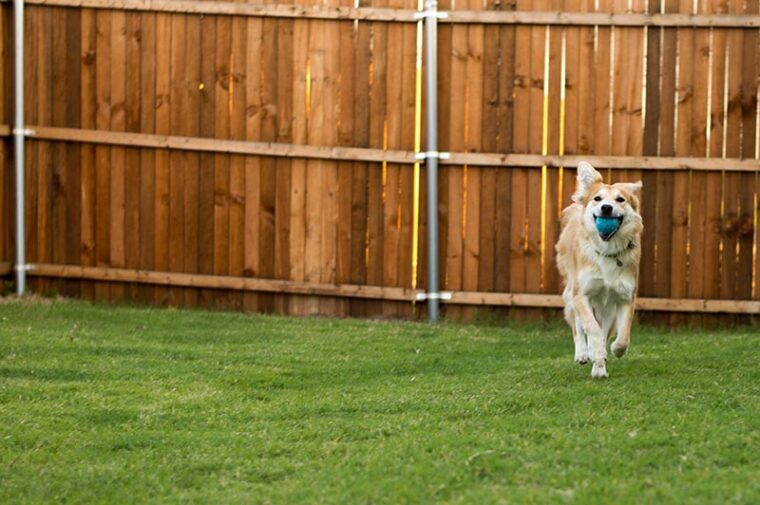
[607,283]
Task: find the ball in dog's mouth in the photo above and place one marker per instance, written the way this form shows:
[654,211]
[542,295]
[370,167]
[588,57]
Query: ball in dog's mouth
[607,226]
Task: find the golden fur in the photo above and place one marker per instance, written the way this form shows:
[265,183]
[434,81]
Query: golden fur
[600,275]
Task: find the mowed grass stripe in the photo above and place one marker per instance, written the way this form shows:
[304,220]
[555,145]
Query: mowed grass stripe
[104,404]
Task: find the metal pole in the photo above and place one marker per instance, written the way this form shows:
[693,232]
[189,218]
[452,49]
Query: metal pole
[18,134]
[431,162]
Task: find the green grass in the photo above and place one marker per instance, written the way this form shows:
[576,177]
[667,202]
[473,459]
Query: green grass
[129,405]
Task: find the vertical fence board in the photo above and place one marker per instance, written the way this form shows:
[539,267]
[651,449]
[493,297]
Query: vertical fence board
[473,141]
[551,144]
[360,171]
[7,215]
[237,90]
[455,216]
[377,107]
[71,164]
[147,156]
[206,176]
[87,170]
[732,191]
[314,178]
[698,192]
[45,162]
[520,144]
[177,159]
[267,181]
[534,194]
[163,126]
[650,139]
[345,129]
[396,202]
[118,66]
[59,176]
[749,237]
[132,186]
[102,153]
[192,188]
[684,111]
[285,106]
[253,114]
[712,240]
[222,161]
[489,130]
[329,172]
[666,140]
[601,77]
[297,225]
[406,172]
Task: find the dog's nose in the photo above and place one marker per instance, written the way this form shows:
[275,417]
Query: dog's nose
[606,209]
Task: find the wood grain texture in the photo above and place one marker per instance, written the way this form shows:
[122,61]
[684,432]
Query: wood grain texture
[285,107]
[666,106]
[275,143]
[370,292]
[147,161]
[503,161]
[222,162]
[162,125]
[206,176]
[297,221]
[408,14]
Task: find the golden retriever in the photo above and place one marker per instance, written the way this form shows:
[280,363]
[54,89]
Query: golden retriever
[598,255]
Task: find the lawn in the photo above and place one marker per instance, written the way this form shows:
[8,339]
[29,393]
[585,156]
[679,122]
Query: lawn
[102,404]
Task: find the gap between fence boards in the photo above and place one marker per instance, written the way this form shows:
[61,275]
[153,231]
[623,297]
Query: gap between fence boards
[412,16]
[377,155]
[362,291]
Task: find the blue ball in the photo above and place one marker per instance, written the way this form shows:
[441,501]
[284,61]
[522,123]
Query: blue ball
[606,226]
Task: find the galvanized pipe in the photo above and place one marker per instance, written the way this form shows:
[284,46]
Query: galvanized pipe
[431,160]
[18,135]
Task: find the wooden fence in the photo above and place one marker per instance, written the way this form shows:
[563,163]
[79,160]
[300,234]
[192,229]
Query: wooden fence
[262,157]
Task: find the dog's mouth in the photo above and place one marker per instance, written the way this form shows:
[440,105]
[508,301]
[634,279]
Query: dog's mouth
[607,226]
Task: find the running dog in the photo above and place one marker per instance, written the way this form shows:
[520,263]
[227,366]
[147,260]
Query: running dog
[598,255]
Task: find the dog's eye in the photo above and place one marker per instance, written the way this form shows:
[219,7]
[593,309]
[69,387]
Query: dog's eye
[620,199]
[597,198]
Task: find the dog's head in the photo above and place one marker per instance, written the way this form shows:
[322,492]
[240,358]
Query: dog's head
[609,209]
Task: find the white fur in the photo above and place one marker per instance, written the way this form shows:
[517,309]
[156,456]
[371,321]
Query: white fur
[600,276]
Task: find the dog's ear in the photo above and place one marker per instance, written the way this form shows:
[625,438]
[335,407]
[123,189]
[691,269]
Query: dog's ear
[634,189]
[587,177]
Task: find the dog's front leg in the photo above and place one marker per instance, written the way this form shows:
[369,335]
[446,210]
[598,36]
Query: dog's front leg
[624,321]
[581,344]
[596,340]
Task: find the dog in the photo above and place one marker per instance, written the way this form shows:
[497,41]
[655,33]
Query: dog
[598,255]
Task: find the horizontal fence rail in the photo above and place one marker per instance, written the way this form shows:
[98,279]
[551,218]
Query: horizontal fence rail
[363,291]
[412,16]
[336,153]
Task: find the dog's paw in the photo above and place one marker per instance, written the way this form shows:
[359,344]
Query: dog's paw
[618,349]
[582,358]
[599,371]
